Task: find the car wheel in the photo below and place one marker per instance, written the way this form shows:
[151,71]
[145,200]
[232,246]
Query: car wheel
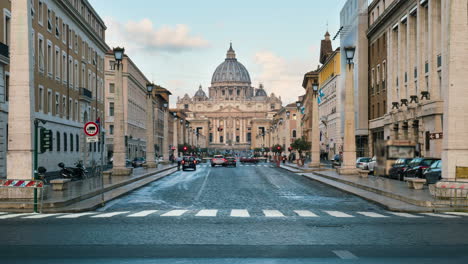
[195,168]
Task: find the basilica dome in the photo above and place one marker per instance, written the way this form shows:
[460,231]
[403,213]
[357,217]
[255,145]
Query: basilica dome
[231,70]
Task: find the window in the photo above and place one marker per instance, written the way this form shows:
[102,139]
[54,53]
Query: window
[64,105]
[111,129]
[83,75]
[33,38]
[77,141]
[57,30]
[294,133]
[7,26]
[57,138]
[65,141]
[64,36]
[272,106]
[70,108]
[64,67]
[111,88]
[83,49]
[76,74]
[40,15]
[49,20]
[112,65]
[186,106]
[111,109]
[70,71]
[221,139]
[40,52]
[384,107]
[57,63]
[57,104]
[50,61]
[41,98]
[77,110]
[76,44]
[49,101]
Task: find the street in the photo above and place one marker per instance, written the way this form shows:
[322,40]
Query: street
[255,212]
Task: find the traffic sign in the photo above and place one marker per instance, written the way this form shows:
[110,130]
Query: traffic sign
[45,140]
[92,139]
[91,129]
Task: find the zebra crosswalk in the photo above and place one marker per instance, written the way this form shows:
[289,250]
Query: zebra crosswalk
[204,165]
[236,213]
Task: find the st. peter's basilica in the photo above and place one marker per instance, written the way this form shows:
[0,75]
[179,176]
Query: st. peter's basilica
[234,112]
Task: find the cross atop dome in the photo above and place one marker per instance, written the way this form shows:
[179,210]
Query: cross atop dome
[231,54]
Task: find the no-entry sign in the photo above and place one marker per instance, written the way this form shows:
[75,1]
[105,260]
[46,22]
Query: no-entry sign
[91,129]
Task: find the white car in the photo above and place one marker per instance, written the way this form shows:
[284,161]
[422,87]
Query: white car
[371,165]
[218,160]
[363,163]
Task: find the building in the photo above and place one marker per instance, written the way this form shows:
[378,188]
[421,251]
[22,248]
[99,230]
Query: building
[58,79]
[285,128]
[329,100]
[4,80]
[233,113]
[353,28]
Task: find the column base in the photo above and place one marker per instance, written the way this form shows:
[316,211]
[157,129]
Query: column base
[21,194]
[122,171]
[150,164]
[347,171]
[314,165]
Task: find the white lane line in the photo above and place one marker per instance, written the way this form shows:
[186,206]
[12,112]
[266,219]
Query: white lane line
[7,216]
[143,213]
[240,213]
[338,214]
[305,213]
[441,215]
[175,213]
[107,215]
[406,215]
[372,214]
[35,216]
[273,213]
[75,215]
[457,213]
[207,212]
[344,254]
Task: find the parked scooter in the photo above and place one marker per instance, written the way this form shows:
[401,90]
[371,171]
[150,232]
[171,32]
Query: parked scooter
[77,173]
[41,174]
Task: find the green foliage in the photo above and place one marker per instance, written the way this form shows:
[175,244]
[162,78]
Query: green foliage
[300,145]
[277,148]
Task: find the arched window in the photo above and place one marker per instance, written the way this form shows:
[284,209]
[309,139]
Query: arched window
[71,142]
[51,142]
[77,141]
[65,142]
[57,138]
[294,133]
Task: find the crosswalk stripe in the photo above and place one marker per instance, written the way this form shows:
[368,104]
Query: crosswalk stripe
[273,213]
[344,254]
[457,213]
[35,216]
[405,215]
[3,213]
[441,215]
[338,214]
[75,215]
[372,214]
[175,213]
[143,213]
[13,215]
[240,213]
[207,212]
[305,213]
[107,215]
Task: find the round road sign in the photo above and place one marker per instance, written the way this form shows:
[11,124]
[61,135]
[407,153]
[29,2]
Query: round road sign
[91,129]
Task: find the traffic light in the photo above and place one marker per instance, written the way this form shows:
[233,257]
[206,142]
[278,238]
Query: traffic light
[46,140]
[185,148]
[278,148]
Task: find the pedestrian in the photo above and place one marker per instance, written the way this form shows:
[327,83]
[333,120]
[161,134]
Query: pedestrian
[179,161]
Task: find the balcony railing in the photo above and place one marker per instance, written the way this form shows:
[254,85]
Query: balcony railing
[86,94]
[4,53]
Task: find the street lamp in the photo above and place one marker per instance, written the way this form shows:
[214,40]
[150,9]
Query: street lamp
[150,155]
[288,114]
[118,55]
[186,124]
[165,105]
[149,89]
[315,86]
[298,104]
[349,51]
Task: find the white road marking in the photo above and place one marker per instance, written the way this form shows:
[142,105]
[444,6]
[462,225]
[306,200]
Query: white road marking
[75,215]
[273,213]
[3,213]
[305,213]
[338,214]
[107,215]
[441,215]
[207,212]
[344,254]
[457,213]
[143,213]
[372,214]
[175,213]
[406,215]
[13,215]
[35,216]
[240,213]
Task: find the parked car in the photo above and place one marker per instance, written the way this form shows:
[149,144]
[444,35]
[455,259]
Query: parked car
[371,165]
[218,160]
[250,159]
[418,165]
[398,168]
[362,163]
[188,162]
[138,162]
[336,162]
[230,161]
[434,173]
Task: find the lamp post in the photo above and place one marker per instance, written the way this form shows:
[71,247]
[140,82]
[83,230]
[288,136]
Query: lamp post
[166,133]
[348,165]
[119,164]
[315,140]
[174,135]
[150,162]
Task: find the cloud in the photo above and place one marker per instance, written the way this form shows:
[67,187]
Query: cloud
[281,76]
[142,35]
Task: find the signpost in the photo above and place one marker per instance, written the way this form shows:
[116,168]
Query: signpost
[91,130]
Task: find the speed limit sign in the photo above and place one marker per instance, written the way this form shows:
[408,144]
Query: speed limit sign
[91,129]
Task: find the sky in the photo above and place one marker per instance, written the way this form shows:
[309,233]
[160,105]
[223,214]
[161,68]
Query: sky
[179,44]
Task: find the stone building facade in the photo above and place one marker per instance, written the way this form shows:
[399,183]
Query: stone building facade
[5,23]
[62,83]
[233,112]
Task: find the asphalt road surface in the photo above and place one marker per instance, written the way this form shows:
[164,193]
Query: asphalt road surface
[249,214]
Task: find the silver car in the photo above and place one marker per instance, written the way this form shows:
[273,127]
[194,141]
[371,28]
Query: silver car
[218,160]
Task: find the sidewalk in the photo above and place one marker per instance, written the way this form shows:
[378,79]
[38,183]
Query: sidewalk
[391,194]
[87,195]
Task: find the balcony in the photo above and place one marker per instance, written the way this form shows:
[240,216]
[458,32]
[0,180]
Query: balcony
[4,54]
[86,95]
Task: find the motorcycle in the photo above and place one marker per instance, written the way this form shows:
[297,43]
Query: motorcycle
[41,174]
[77,173]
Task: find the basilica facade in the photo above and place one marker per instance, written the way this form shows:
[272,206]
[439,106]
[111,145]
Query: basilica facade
[234,112]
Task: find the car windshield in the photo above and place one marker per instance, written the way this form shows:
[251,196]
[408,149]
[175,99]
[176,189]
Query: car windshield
[365,159]
[218,156]
[435,164]
[427,162]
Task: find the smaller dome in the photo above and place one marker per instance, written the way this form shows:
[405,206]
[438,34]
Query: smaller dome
[200,92]
[260,91]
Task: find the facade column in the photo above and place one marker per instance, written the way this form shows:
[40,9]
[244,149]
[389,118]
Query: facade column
[315,133]
[224,131]
[166,137]
[150,162]
[21,105]
[174,138]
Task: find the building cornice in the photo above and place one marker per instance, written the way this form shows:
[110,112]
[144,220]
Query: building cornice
[385,17]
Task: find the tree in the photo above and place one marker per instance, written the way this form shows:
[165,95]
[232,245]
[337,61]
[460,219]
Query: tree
[277,149]
[301,145]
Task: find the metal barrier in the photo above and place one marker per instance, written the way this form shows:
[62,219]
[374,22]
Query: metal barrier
[450,193]
[30,184]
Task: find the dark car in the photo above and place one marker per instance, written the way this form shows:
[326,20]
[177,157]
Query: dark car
[336,162]
[248,160]
[188,162]
[138,162]
[418,165]
[398,168]
[230,161]
[434,173]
